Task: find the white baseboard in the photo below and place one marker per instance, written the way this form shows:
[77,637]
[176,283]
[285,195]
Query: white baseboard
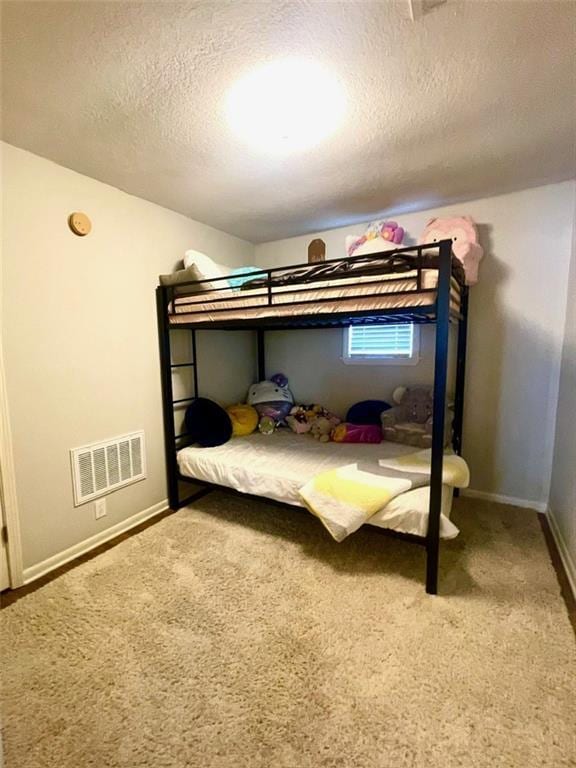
[565,555]
[40,569]
[537,506]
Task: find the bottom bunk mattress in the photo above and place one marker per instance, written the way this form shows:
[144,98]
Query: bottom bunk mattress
[276,466]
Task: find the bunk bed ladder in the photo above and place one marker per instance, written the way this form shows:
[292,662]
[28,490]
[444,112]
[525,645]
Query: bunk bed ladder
[439,413]
[167,367]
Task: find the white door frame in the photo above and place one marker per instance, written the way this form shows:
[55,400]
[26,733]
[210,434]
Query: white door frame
[8,487]
[7,472]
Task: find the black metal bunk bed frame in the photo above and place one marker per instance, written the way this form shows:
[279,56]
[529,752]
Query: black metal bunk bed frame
[432,256]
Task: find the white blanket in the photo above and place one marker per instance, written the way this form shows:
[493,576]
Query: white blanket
[277,466]
[347,497]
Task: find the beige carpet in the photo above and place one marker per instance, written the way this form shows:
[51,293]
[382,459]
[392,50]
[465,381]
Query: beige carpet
[238,635]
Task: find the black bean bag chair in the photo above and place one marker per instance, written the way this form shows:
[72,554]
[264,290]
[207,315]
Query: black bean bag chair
[207,423]
[367,412]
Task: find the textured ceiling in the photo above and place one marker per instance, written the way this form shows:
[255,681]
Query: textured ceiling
[472,99]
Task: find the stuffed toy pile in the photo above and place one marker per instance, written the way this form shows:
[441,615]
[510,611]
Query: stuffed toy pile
[370,421]
[315,419]
[388,235]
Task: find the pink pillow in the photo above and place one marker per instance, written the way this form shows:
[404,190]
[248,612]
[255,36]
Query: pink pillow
[357,433]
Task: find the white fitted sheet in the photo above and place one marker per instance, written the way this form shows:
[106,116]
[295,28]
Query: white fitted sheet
[277,466]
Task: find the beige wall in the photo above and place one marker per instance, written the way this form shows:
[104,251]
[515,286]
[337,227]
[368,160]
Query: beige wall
[515,338]
[79,333]
[80,343]
[563,490]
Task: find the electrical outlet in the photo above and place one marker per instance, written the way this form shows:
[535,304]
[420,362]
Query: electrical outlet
[100,508]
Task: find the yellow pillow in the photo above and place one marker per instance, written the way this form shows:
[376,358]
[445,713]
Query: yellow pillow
[244,419]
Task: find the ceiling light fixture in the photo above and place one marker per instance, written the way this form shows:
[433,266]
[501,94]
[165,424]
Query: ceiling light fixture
[285,106]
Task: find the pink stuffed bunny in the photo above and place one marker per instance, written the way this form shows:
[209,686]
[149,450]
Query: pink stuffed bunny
[464,235]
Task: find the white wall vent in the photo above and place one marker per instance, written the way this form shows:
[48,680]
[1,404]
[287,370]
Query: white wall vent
[99,468]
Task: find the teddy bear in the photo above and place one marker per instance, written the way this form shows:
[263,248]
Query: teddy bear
[322,427]
[465,246]
[410,420]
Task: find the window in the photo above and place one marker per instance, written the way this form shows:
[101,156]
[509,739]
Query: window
[387,344]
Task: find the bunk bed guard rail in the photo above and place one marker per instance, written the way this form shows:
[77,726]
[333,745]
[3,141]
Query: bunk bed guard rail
[308,292]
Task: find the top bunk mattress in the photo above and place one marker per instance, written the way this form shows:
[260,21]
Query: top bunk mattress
[366,293]
[276,466]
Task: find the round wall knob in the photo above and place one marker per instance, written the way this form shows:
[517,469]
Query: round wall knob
[79,223]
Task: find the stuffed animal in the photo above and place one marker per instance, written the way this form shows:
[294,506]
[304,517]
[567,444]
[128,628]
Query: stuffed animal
[464,235]
[298,420]
[244,419]
[379,236]
[410,421]
[267,425]
[322,426]
[303,417]
[272,398]
[357,433]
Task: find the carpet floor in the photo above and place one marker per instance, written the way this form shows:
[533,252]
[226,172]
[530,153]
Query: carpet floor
[236,634]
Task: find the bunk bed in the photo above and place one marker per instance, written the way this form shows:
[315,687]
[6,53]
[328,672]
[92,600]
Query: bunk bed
[422,284]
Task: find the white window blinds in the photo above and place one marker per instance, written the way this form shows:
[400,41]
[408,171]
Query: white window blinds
[383,341]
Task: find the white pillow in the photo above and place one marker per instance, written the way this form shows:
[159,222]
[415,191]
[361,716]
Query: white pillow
[207,268]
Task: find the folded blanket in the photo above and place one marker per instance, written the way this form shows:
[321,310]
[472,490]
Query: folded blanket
[346,498]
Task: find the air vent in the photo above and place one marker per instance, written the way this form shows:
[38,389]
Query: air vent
[100,468]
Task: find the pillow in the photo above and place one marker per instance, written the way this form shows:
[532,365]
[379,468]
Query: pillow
[182,276]
[367,412]
[357,433]
[207,268]
[207,423]
[241,275]
[244,419]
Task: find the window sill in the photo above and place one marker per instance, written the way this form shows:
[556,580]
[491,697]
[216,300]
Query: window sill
[407,361]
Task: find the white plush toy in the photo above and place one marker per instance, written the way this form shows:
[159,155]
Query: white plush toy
[380,236]
[272,399]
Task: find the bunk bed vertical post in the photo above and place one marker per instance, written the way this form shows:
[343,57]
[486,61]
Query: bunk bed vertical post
[439,412]
[194,362]
[261,354]
[460,373]
[167,398]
